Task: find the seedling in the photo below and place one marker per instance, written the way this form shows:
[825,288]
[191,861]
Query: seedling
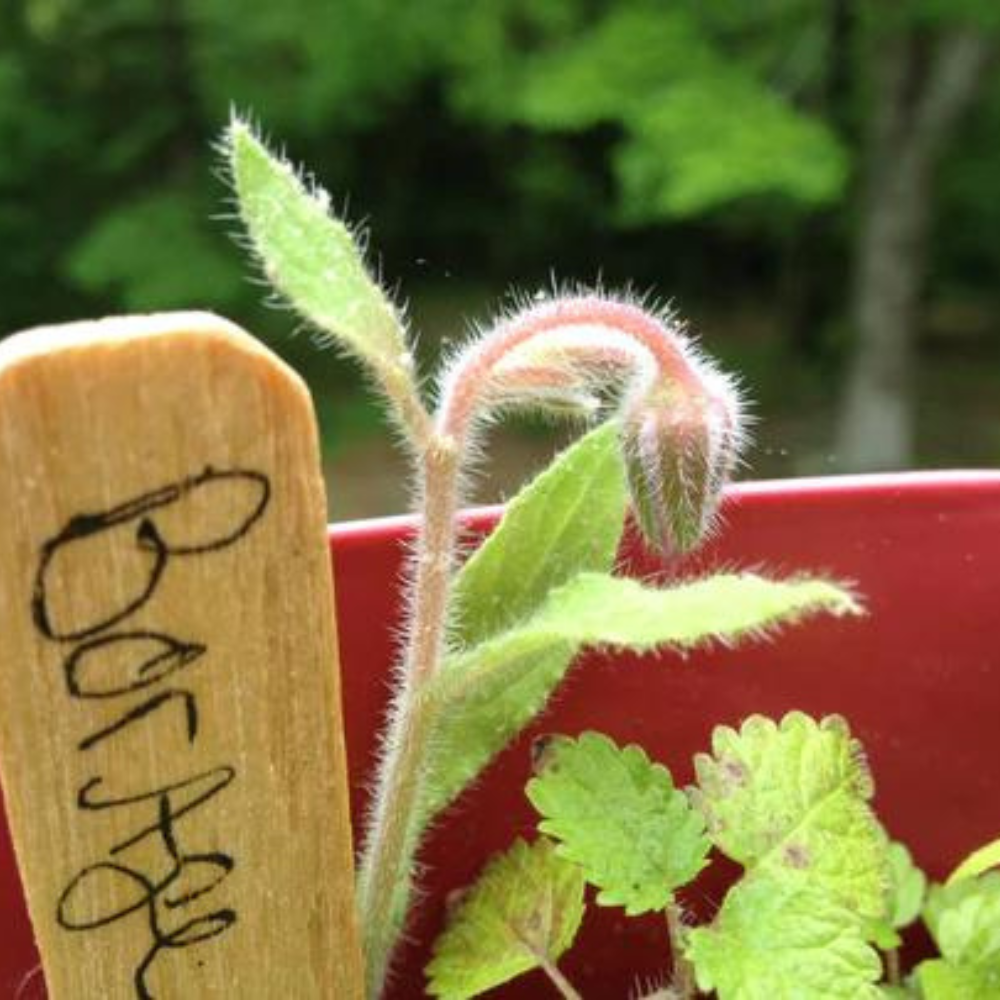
[489,637]
[823,887]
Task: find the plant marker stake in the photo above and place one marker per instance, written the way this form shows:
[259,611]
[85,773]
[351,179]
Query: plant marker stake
[170,730]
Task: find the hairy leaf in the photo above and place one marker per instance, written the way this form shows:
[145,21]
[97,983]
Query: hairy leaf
[907,887]
[793,800]
[567,520]
[523,911]
[619,817]
[493,690]
[776,937]
[597,610]
[979,861]
[311,257]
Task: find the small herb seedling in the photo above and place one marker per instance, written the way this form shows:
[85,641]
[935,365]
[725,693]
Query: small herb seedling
[823,888]
[488,638]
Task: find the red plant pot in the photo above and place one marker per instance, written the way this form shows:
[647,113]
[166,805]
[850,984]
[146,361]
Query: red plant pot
[918,679]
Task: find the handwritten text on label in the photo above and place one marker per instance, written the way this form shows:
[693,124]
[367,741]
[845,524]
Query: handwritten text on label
[142,539]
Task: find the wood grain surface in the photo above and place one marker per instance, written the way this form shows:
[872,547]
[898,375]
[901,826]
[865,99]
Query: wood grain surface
[170,733]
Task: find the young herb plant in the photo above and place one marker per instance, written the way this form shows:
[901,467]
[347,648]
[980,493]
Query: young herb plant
[489,638]
[822,889]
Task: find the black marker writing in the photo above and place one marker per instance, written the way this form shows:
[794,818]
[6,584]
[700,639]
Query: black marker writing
[107,665]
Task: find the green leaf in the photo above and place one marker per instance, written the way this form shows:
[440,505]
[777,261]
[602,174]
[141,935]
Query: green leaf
[311,257]
[941,980]
[599,610]
[907,887]
[489,693]
[567,520]
[523,911]
[792,800]
[964,919]
[620,818]
[776,937]
[977,862]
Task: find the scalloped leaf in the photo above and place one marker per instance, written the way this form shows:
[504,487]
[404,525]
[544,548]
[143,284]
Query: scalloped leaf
[964,920]
[311,257]
[522,912]
[493,690]
[619,816]
[778,937]
[792,800]
[907,887]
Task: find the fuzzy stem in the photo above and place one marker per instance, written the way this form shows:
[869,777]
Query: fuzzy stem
[397,818]
[683,980]
[393,832]
[561,983]
[588,311]
[400,388]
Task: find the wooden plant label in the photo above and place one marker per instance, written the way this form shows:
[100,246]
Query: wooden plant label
[170,729]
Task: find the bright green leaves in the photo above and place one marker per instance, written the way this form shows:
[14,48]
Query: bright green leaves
[529,600]
[567,520]
[787,799]
[522,913]
[907,887]
[907,890]
[964,920]
[308,255]
[619,817]
[791,800]
[596,610]
[776,938]
[315,262]
[494,689]
[941,980]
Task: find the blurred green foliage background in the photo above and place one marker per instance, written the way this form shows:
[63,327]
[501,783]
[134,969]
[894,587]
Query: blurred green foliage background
[814,183]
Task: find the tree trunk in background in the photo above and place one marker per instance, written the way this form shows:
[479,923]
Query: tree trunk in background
[812,268]
[919,92]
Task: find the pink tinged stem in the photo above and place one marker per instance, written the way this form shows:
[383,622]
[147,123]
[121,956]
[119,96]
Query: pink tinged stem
[631,338]
[394,827]
[461,401]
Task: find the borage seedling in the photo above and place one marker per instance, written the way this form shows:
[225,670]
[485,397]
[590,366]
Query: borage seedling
[489,638]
